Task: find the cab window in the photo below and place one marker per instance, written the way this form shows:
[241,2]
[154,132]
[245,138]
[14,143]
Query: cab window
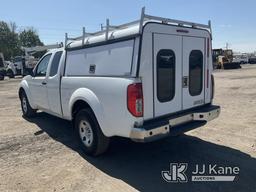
[42,66]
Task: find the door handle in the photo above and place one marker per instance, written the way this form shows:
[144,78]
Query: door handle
[44,83]
[185,82]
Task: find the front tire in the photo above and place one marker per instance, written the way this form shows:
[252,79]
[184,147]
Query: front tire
[88,133]
[25,106]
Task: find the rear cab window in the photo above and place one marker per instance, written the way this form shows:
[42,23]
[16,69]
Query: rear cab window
[55,63]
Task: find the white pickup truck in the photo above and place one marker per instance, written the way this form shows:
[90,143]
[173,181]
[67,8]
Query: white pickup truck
[143,80]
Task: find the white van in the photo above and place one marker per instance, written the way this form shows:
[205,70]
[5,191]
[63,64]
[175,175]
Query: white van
[143,80]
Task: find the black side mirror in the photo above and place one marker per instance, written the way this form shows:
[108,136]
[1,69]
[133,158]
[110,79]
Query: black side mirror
[31,72]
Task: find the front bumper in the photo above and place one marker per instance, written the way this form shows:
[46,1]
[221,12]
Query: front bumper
[174,124]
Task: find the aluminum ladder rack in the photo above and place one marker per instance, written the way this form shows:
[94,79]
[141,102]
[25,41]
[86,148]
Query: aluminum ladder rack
[144,18]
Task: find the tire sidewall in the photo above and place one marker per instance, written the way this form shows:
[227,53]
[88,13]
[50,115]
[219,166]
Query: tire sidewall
[30,112]
[87,116]
[21,100]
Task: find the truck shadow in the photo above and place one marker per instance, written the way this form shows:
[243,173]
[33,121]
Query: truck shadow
[140,165]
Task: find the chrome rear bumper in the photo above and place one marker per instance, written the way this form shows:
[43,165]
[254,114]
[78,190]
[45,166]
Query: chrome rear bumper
[174,124]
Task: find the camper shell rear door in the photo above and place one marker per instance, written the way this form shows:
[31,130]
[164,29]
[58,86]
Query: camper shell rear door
[174,66]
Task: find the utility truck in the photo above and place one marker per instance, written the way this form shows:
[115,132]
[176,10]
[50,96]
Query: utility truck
[23,65]
[143,80]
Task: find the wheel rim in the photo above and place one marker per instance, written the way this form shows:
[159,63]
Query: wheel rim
[85,132]
[24,104]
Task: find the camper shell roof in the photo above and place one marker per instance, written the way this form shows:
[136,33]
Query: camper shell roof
[126,31]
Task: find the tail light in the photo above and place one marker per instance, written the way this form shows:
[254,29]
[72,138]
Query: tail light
[213,86]
[135,99]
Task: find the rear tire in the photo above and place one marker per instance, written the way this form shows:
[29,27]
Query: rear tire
[88,133]
[25,106]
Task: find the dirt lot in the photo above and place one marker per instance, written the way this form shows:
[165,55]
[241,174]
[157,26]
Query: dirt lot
[40,155]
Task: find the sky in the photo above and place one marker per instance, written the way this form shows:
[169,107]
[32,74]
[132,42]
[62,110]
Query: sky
[233,21]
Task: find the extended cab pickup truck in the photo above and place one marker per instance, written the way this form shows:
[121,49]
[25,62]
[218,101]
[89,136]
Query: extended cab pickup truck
[143,80]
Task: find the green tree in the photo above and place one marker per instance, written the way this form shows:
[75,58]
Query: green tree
[29,38]
[9,40]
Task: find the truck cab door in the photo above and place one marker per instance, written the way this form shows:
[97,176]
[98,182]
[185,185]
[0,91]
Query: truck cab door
[53,84]
[38,83]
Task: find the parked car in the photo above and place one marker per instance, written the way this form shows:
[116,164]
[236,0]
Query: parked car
[21,65]
[242,59]
[252,60]
[143,81]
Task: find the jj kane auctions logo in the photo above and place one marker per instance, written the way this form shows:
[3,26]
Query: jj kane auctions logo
[177,173]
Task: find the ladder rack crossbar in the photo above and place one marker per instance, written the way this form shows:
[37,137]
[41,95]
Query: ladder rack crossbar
[144,17]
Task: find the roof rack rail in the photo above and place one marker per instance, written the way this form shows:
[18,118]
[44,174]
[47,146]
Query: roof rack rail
[144,17]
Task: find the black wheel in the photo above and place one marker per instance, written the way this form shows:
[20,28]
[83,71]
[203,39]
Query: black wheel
[10,73]
[88,133]
[1,77]
[25,106]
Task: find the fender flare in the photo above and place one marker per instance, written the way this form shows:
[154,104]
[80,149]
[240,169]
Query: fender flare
[93,101]
[24,85]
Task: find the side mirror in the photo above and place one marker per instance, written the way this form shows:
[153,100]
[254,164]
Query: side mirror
[31,72]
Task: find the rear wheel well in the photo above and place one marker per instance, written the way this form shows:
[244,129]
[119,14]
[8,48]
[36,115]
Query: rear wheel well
[79,105]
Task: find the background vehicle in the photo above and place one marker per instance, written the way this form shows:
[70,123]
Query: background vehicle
[241,58]
[252,60]
[23,65]
[223,59]
[143,80]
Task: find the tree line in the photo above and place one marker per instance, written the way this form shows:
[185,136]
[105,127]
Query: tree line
[11,41]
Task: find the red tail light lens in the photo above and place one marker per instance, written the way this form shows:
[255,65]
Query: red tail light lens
[135,99]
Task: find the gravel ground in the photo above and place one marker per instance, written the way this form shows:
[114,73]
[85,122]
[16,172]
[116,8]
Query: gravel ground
[39,154]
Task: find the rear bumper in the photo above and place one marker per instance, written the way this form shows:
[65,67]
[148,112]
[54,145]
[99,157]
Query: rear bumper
[174,124]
